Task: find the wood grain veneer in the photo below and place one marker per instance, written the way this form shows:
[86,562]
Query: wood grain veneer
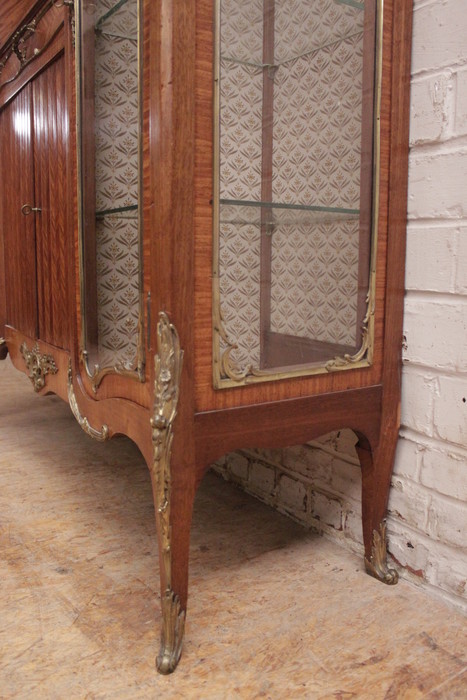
[13,13]
[51,128]
[18,231]
[37,46]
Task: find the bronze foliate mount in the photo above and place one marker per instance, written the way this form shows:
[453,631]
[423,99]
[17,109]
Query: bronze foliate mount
[173,628]
[38,364]
[101,435]
[18,46]
[168,366]
[377,565]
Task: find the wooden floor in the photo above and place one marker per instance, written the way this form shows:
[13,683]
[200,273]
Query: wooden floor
[274,612]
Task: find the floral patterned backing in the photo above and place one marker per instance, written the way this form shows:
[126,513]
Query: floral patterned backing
[117,181]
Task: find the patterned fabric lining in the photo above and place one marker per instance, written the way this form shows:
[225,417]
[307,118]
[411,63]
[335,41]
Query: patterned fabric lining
[117,180]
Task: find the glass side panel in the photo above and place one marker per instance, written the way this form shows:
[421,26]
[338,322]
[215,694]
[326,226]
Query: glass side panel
[294,145]
[110,75]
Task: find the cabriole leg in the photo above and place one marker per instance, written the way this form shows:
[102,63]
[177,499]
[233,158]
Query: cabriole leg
[376,476]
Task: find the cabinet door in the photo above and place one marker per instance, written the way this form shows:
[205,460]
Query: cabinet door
[33,207]
[17,229]
[50,128]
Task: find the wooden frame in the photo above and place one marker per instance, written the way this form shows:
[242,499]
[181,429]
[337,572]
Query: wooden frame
[178,420]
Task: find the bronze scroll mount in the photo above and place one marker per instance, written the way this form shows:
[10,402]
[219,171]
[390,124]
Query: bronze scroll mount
[168,367]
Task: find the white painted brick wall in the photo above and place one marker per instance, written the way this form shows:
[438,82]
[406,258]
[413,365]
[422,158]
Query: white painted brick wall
[319,483]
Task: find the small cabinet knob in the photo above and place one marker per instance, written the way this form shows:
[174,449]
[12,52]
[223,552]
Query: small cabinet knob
[27,209]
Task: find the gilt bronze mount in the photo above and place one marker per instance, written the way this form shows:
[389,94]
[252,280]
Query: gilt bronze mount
[377,565]
[100,435]
[38,364]
[167,366]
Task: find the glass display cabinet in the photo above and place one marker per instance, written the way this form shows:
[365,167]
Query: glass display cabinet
[235,186]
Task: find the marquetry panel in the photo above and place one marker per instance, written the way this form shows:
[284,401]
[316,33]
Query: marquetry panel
[12,13]
[30,42]
[51,128]
[18,231]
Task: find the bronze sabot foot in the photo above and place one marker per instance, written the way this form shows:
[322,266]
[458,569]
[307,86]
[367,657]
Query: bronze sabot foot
[377,565]
[173,627]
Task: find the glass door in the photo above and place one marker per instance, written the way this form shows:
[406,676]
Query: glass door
[110,75]
[296,153]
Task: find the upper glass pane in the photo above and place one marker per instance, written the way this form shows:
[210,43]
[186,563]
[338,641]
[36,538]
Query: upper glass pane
[293,185]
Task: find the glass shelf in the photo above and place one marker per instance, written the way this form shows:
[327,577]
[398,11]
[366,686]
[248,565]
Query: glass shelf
[118,210]
[351,3]
[102,32]
[261,66]
[107,28]
[110,12]
[278,64]
[241,212]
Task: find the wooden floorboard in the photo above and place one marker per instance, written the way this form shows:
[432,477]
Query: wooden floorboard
[274,612]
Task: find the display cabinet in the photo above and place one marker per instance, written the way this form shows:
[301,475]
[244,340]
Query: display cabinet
[221,264]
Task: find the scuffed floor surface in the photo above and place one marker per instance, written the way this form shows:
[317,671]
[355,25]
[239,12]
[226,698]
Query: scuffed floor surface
[274,612]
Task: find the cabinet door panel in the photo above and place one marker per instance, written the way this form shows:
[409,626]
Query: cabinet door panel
[18,230]
[50,136]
